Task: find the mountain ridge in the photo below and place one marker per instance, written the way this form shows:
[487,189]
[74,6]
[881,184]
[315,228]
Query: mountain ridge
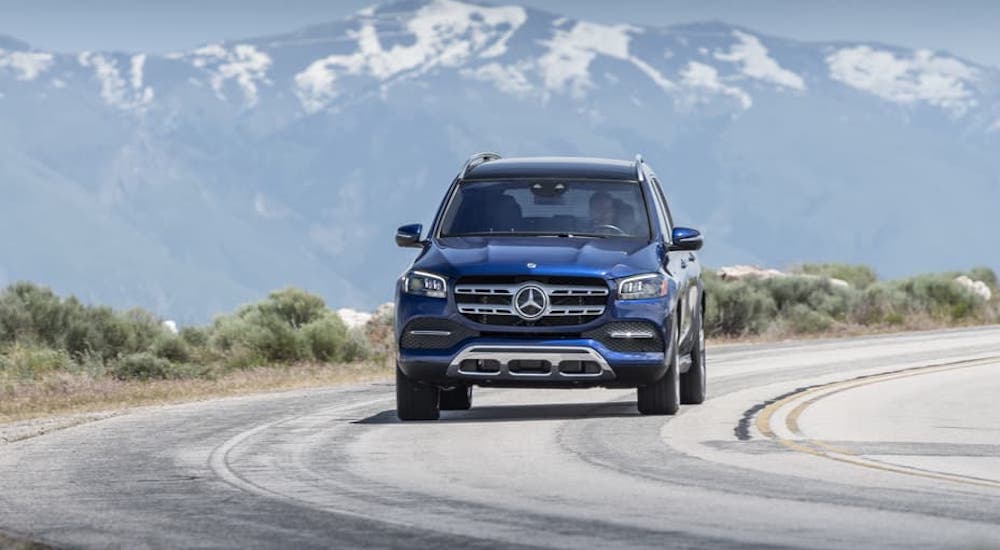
[209,176]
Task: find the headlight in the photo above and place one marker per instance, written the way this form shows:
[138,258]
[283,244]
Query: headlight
[425,284]
[650,285]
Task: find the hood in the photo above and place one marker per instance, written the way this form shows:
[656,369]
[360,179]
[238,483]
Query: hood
[552,256]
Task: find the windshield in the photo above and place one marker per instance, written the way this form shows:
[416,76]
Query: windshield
[555,208]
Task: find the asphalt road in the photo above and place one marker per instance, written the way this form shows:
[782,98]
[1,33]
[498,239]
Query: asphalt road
[889,441]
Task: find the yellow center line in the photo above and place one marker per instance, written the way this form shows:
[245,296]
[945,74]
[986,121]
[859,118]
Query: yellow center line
[825,450]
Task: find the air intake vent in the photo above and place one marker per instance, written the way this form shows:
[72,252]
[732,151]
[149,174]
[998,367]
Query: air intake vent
[628,336]
[430,333]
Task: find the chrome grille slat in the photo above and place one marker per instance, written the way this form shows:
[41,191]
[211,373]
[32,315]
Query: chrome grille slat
[483,309]
[469,297]
[481,290]
[575,310]
[577,291]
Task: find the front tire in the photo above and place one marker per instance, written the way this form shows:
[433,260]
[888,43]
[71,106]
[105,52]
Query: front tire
[694,382]
[664,395]
[416,400]
[458,398]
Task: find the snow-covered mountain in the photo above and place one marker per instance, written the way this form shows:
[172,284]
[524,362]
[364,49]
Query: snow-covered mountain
[194,181]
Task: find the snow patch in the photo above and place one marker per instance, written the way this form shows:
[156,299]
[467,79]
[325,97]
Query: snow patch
[445,33]
[507,78]
[653,74]
[115,90]
[28,65]
[754,61]
[700,76]
[242,63]
[137,63]
[939,81]
[566,66]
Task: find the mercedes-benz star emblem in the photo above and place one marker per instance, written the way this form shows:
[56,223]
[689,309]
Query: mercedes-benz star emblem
[530,302]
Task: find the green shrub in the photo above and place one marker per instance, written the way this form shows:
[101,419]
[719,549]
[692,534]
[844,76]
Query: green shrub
[273,330]
[296,307]
[41,332]
[101,331]
[749,306]
[143,329]
[35,315]
[737,308]
[327,337]
[146,366]
[195,337]
[172,348]
[227,333]
[241,357]
[818,294]
[357,346]
[264,332]
[858,276]
[802,319]
[142,366]
[938,296]
[32,314]
[30,362]
[883,303]
[91,364]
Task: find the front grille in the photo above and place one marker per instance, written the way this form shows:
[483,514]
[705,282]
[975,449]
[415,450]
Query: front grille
[628,336]
[431,333]
[569,300]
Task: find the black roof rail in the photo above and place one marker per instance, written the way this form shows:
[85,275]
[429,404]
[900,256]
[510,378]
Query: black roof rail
[638,166]
[476,160]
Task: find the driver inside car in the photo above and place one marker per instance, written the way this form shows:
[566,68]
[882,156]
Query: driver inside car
[602,211]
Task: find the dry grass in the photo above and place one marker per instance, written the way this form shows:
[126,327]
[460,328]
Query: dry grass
[10,543]
[66,393]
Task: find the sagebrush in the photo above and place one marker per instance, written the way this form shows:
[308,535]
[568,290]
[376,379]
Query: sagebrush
[817,298]
[41,332]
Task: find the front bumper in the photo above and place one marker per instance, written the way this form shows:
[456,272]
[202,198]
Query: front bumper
[434,339]
[534,363]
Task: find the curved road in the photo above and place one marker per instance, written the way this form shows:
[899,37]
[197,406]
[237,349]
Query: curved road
[889,441]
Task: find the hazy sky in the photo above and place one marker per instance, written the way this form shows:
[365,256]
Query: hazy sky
[970,29]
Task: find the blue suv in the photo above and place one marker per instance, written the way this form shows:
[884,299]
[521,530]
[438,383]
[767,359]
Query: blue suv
[551,273]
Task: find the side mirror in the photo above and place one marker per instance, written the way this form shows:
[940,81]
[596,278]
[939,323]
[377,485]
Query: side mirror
[685,238]
[408,236]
